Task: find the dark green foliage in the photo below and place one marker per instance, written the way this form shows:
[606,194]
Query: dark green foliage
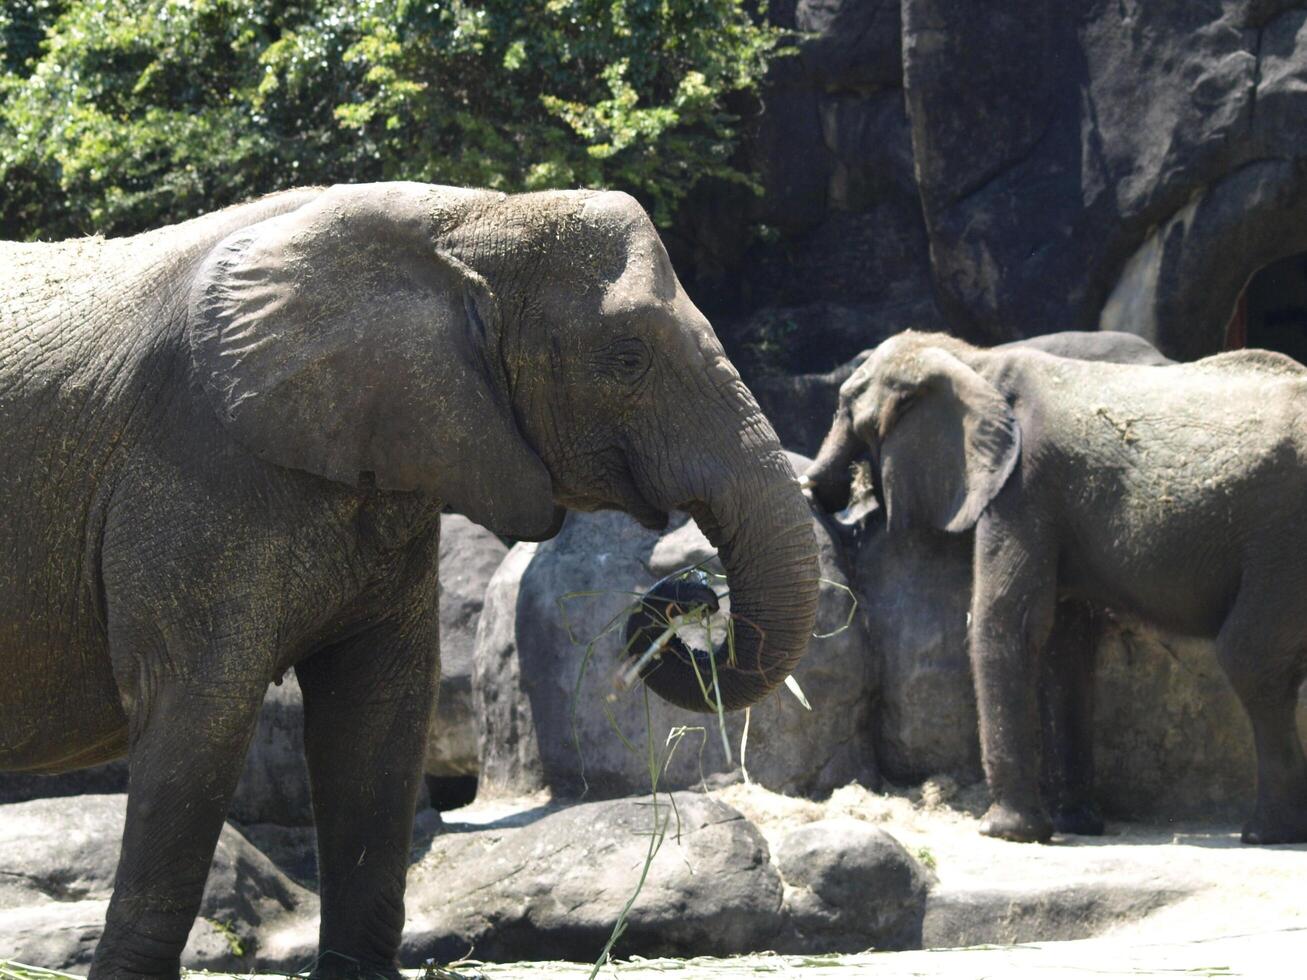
[124,114]
[23,24]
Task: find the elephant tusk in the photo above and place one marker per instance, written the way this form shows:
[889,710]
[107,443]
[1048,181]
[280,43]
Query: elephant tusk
[797,691]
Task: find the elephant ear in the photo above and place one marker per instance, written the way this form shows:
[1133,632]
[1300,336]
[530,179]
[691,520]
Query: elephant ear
[337,339]
[949,444]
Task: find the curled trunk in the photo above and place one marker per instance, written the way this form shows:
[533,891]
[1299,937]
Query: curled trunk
[763,531]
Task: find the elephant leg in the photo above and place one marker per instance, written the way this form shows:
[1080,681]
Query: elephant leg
[1067,716]
[367,705]
[1011,617]
[189,742]
[1266,675]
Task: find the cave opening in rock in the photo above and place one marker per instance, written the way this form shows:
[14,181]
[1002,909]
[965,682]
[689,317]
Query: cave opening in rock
[451,792]
[1272,310]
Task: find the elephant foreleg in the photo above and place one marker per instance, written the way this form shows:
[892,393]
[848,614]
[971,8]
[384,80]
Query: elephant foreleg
[367,705]
[1011,616]
[189,742]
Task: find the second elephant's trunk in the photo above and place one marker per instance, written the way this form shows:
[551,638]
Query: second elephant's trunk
[829,477]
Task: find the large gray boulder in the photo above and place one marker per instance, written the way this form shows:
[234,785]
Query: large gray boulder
[1170,737]
[17,787]
[554,887]
[850,886]
[469,555]
[274,785]
[57,862]
[915,589]
[552,718]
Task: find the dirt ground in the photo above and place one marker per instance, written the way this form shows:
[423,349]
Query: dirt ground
[1270,955]
[1204,882]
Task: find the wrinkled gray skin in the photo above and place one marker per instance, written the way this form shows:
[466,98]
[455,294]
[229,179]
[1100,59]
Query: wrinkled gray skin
[1173,492]
[229,442]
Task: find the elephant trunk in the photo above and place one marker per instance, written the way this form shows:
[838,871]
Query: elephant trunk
[762,528]
[829,477]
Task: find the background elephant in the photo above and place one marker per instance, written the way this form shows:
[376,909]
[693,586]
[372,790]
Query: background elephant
[1066,686]
[1169,492]
[229,445]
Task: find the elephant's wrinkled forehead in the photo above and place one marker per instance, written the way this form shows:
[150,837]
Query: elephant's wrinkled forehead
[629,261]
[597,239]
[897,361]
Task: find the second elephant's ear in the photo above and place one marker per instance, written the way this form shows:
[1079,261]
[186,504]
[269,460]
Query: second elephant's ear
[950,443]
[339,340]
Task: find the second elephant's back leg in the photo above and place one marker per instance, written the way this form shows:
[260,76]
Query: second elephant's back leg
[1262,647]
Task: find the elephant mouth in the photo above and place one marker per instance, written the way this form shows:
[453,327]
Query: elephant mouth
[618,490]
[645,513]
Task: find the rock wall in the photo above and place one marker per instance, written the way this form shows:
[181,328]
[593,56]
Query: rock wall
[1003,171]
[1131,151]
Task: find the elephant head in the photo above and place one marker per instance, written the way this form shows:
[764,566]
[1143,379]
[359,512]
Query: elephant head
[509,356]
[942,439]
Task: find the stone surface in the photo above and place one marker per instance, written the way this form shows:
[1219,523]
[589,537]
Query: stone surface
[850,886]
[552,886]
[553,720]
[1170,737]
[16,787]
[57,862]
[800,398]
[1102,123]
[56,935]
[1004,172]
[841,218]
[274,785]
[915,590]
[469,555]
[1259,954]
[1055,910]
[855,45]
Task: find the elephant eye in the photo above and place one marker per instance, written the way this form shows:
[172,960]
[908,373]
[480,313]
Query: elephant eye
[627,359]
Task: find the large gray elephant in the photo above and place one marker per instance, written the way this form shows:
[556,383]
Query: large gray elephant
[1174,492]
[228,446]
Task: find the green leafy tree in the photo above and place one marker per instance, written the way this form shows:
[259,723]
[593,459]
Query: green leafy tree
[23,24]
[123,114]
